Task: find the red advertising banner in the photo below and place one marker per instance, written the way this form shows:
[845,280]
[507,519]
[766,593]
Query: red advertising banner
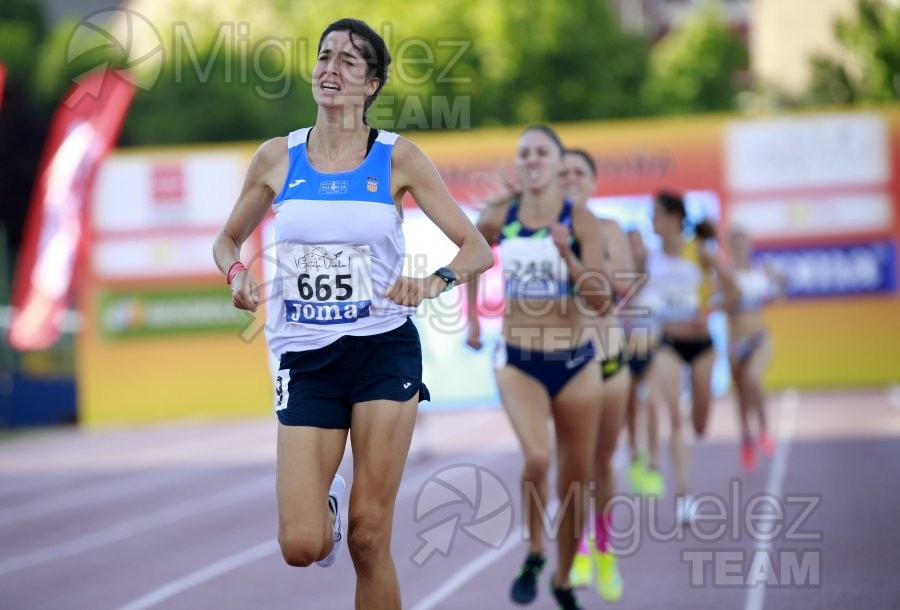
[84,128]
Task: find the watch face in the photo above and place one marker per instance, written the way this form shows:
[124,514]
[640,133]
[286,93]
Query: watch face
[448,276]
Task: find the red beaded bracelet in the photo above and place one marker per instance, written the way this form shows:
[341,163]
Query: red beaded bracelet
[234,270]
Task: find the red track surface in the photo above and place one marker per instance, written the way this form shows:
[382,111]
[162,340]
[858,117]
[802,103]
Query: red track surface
[183,517]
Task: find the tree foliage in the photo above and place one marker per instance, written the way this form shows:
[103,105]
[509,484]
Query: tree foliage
[693,69]
[460,63]
[21,32]
[23,119]
[872,75]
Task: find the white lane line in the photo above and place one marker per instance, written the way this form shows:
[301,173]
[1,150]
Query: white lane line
[488,558]
[92,494]
[790,403]
[475,567]
[132,527]
[408,488]
[232,562]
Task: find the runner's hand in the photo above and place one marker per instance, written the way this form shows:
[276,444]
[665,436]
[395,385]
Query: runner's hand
[473,335]
[411,291]
[244,291]
[560,234]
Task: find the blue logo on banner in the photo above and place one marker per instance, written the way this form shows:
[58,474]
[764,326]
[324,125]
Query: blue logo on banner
[304,312]
[868,268]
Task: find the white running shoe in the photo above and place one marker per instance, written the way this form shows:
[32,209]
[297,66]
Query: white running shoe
[335,497]
[685,510]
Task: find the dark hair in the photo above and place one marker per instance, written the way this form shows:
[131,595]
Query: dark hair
[584,155]
[548,131]
[705,229]
[372,49]
[672,203]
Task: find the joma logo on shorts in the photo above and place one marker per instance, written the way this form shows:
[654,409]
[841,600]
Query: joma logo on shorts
[300,312]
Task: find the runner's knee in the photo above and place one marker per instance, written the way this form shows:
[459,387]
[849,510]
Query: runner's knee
[301,546]
[537,465]
[368,537]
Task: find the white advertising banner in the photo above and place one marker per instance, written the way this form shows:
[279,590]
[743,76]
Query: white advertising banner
[150,257]
[813,216]
[807,152]
[159,191]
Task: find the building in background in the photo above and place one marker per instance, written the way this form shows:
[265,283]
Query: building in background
[656,18]
[782,35]
[786,34]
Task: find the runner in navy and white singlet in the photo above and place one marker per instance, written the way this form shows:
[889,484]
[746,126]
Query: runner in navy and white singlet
[552,255]
[643,332]
[338,310]
[595,561]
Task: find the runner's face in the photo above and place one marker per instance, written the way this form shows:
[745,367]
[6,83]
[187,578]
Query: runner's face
[538,161]
[664,222]
[577,179]
[340,75]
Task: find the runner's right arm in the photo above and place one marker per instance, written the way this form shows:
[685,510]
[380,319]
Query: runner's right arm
[255,199]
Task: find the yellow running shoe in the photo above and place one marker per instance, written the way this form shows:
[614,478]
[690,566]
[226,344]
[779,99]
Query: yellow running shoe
[636,473]
[581,574]
[609,580]
[654,485]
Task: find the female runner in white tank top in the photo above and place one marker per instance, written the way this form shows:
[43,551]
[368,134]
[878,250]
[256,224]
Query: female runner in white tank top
[681,278]
[339,309]
[749,343]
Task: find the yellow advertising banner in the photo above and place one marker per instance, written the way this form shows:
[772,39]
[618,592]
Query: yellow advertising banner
[161,342]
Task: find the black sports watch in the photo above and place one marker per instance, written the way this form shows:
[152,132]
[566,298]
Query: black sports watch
[448,276]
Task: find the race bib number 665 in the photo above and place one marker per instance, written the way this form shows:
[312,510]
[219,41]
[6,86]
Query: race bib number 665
[326,284]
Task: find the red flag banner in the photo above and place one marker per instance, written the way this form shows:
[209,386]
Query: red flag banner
[84,128]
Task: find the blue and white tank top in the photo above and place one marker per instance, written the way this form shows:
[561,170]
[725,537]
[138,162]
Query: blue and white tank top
[339,248]
[532,266]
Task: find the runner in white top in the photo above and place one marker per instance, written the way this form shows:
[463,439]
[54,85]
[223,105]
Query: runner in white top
[681,275]
[750,345]
[350,357]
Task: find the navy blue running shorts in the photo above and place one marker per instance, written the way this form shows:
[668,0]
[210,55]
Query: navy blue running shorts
[552,369]
[639,363]
[319,387]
